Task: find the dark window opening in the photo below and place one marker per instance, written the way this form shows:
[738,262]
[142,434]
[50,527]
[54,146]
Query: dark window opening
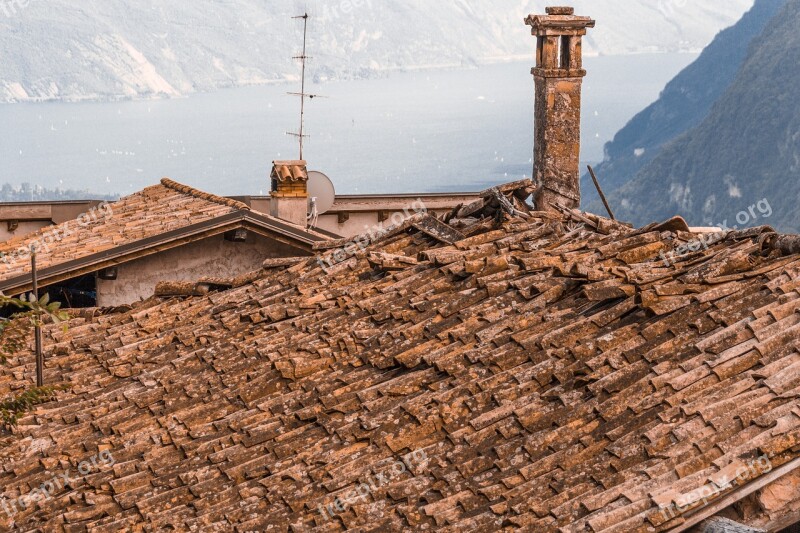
[791,529]
[237,235]
[539,51]
[7,311]
[74,293]
[564,55]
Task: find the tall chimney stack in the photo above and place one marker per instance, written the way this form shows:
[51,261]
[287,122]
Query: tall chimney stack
[558,75]
[289,192]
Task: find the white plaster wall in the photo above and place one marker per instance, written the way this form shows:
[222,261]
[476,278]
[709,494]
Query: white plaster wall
[360,223]
[363,211]
[213,257]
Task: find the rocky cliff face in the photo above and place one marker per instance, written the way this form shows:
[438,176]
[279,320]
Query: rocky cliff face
[683,104]
[743,155]
[105,49]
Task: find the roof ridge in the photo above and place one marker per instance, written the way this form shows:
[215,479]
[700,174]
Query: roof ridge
[197,193]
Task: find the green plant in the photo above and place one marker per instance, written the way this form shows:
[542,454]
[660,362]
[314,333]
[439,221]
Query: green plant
[12,408]
[14,333]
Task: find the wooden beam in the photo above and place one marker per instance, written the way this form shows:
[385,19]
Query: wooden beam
[471,209]
[524,185]
[792,519]
[26,212]
[438,230]
[735,496]
[600,192]
[724,525]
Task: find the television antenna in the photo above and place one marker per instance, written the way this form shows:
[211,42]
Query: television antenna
[301,136]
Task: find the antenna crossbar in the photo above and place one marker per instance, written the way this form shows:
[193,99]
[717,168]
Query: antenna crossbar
[307,95]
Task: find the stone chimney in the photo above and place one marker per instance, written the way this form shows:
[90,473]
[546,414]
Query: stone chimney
[557,137]
[289,192]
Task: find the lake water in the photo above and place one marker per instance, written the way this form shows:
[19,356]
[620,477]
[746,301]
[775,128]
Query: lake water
[417,131]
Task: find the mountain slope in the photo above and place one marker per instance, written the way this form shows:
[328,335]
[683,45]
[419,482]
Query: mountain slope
[683,104]
[746,150]
[99,49]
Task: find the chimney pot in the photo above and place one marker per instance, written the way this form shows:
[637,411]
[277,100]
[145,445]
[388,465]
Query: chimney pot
[289,191]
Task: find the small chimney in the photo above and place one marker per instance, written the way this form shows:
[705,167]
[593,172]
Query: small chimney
[558,76]
[289,192]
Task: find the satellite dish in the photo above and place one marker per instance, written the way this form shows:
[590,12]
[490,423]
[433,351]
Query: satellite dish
[320,187]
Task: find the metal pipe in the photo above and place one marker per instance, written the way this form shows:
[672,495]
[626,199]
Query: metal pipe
[37,328]
[600,191]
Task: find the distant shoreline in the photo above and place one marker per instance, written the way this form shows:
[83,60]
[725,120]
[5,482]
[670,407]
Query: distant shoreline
[377,73]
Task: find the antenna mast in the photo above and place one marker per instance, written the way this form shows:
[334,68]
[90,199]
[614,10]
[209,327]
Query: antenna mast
[302,94]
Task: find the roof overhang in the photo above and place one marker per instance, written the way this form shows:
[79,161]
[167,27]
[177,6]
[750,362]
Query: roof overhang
[55,211]
[375,203]
[262,225]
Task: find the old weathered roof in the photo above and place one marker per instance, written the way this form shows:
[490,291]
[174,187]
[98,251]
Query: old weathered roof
[166,212]
[548,376]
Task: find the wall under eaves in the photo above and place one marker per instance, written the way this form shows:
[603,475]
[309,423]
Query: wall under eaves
[212,257]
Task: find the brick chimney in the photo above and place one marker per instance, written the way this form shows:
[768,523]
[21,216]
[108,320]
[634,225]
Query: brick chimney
[289,192]
[558,76]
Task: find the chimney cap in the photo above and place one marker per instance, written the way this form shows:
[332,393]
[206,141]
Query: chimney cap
[556,22]
[289,171]
[560,10]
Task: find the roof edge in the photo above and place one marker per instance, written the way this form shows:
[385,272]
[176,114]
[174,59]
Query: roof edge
[197,193]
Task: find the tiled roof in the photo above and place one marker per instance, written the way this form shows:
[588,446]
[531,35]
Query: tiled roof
[154,211]
[550,377]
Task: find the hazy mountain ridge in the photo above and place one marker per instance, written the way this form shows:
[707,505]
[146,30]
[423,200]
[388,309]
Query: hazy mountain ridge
[746,150]
[682,105]
[142,48]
